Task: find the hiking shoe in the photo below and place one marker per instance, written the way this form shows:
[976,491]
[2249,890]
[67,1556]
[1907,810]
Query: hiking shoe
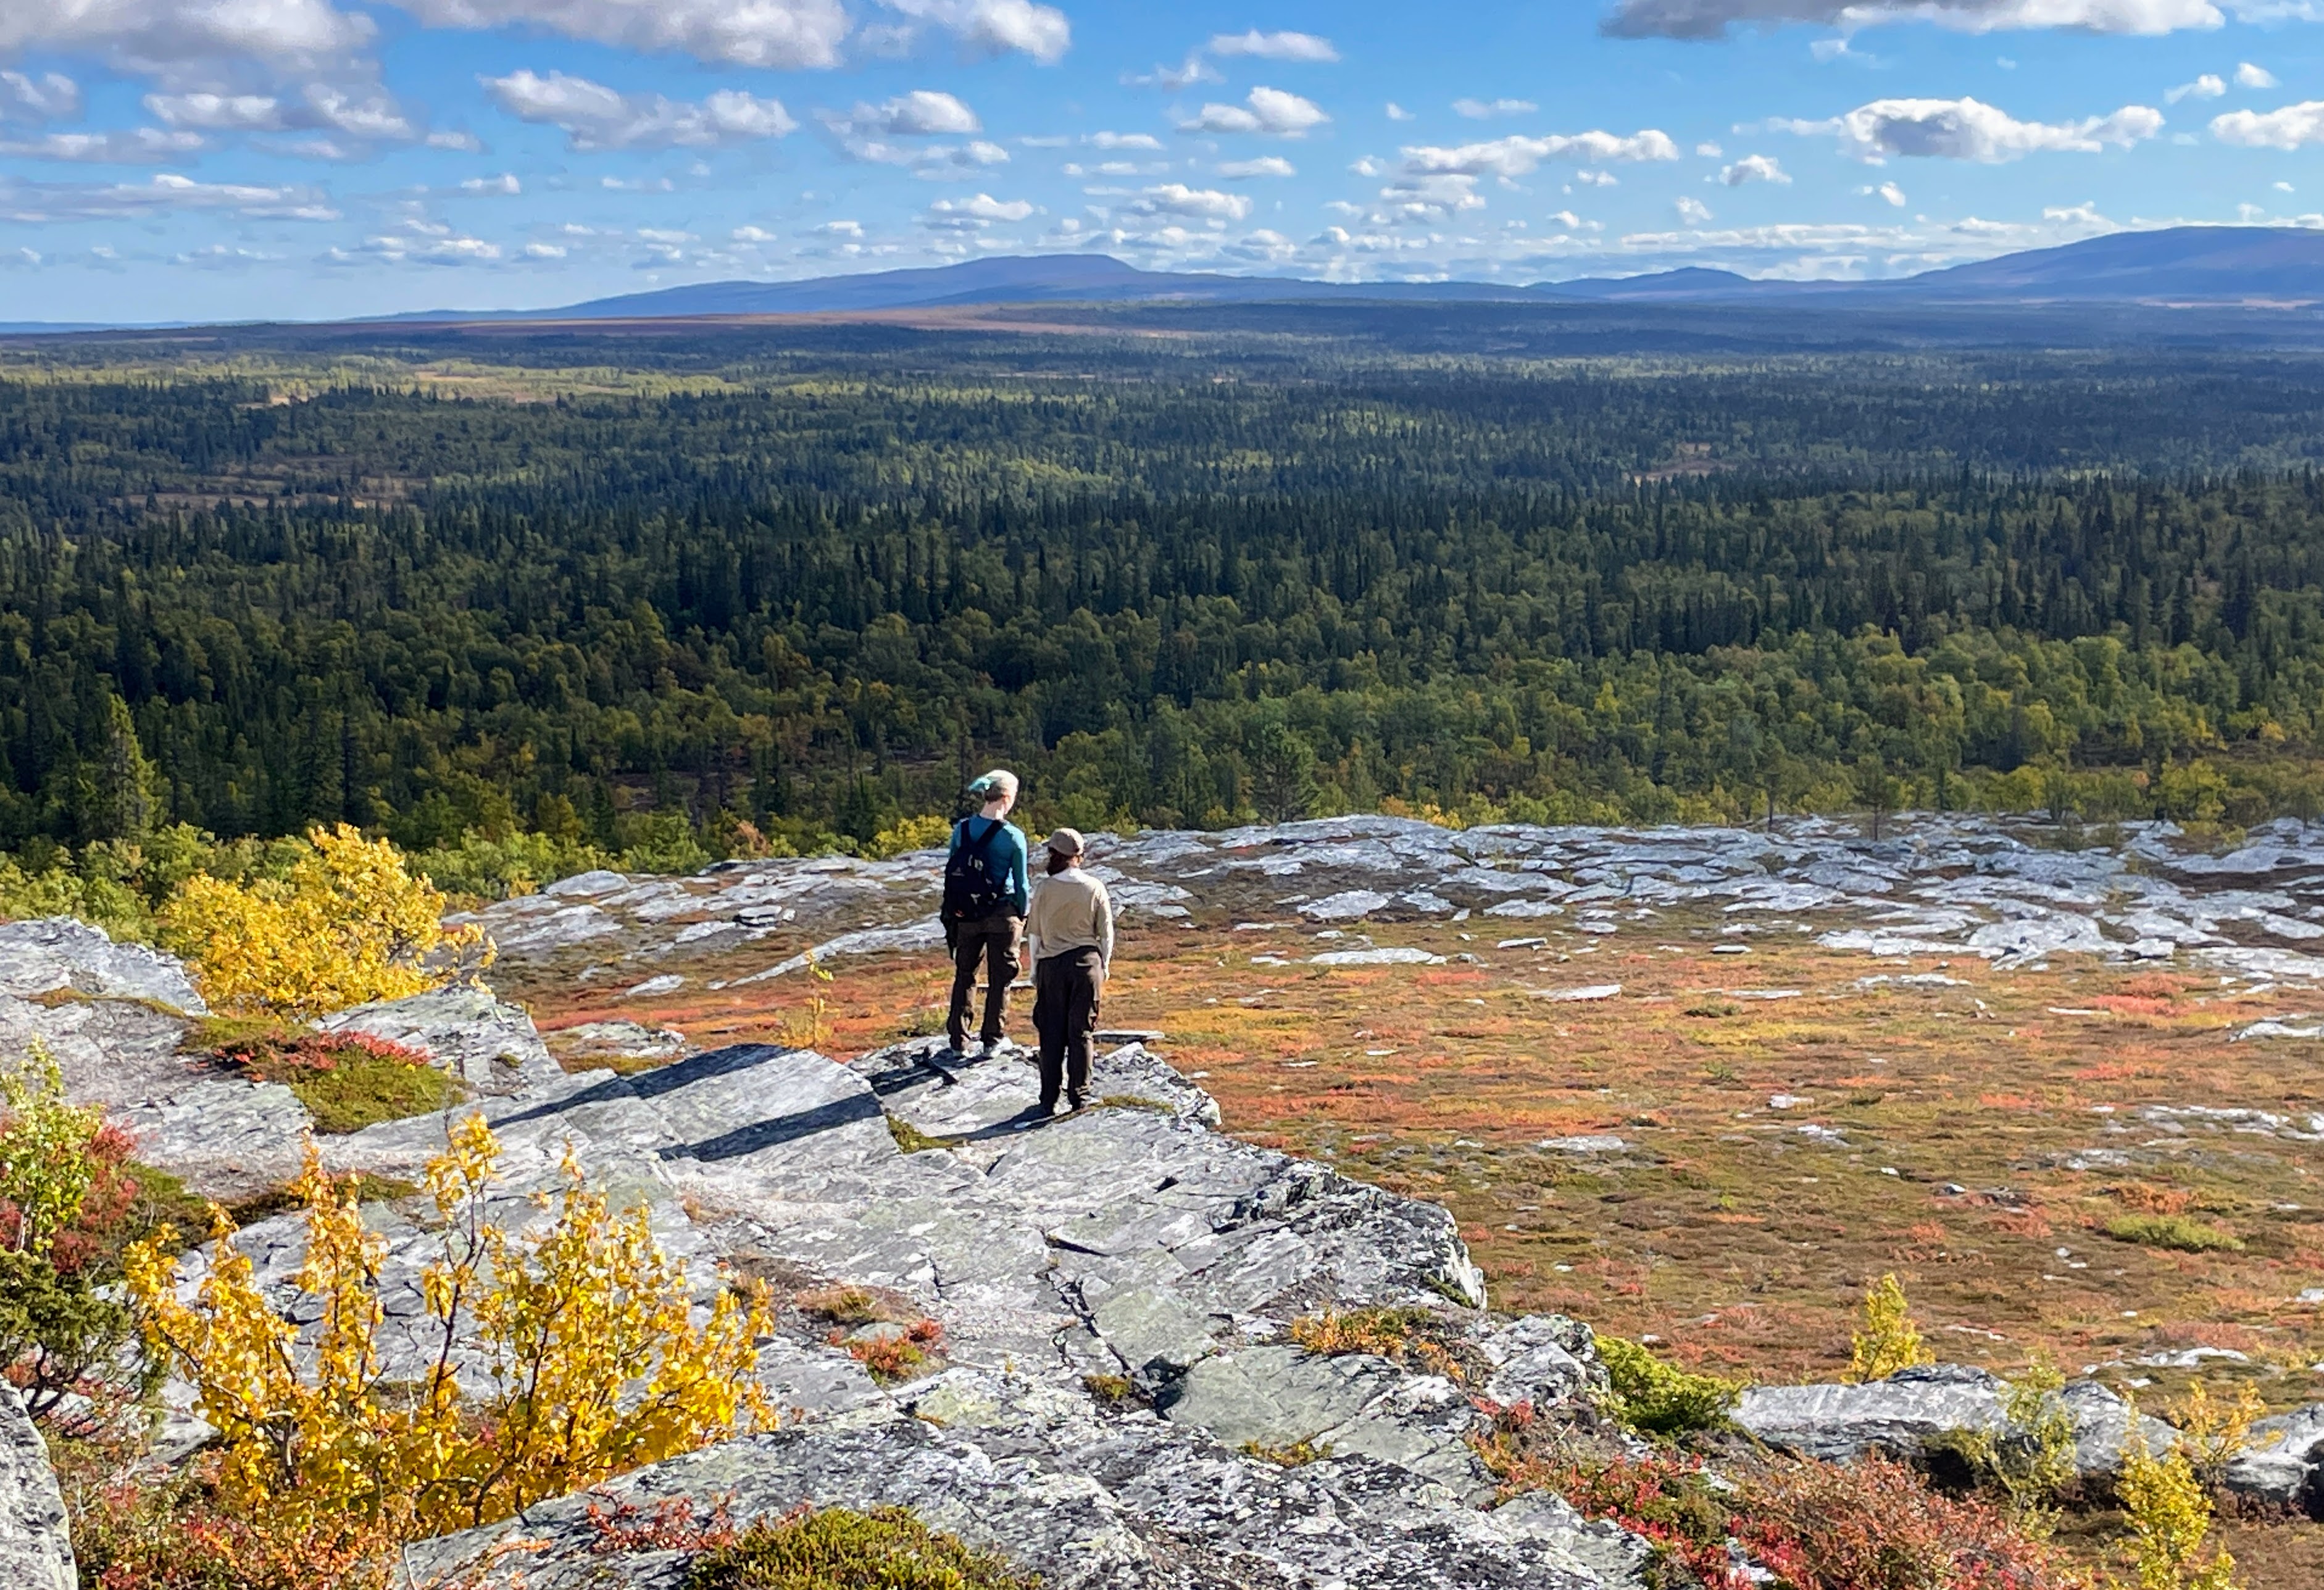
[1076,1102]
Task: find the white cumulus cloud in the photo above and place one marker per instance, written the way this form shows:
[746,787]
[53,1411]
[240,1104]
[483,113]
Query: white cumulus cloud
[989,27]
[921,113]
[594,116]
[1516,155]
[2248,75]
[505,186]
[765,33]
[1972,130]
[1175,198]
[366,117]
[2287,128]
[50,202]
[1268,165]
[1285,46]
[2209,86]
[1271,111]
[1693,211]
[1754,168]
[1712,19]
[137,146]
[971,215]
[1478,110]
[191,43]
[50,97]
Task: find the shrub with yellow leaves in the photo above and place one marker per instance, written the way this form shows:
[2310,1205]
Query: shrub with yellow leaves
[587,1335]
[349,924]
[2169,1517]
[909,834]
[1889,1340]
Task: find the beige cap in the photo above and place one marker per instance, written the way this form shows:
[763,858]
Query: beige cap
[1065,841]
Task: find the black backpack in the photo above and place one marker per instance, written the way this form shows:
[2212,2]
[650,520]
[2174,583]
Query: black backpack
[976,883]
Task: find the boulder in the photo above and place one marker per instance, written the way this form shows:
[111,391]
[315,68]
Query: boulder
[2280,1461]
[1902,1415]
[35,1541]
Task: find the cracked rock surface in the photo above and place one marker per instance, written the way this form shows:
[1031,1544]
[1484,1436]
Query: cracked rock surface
[2009,890]
[1130,1241]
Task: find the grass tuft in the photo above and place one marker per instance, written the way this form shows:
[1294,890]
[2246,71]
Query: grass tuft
[346,1080]
[1287,1455]
[1114,1390]
[911,1139]
[1403,1335]
[839,1548]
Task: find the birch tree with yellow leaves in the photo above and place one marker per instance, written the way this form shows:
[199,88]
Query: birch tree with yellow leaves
[351,923]
[597,1358]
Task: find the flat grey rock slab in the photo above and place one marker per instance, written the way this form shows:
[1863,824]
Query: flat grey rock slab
[1351,1405]
[1999,888]
[35,1541]
[485,1042]
[52,953]
[226,1138]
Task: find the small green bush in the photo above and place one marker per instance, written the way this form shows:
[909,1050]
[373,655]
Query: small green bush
[1661,1398]
[838,1549]
[2177,1232]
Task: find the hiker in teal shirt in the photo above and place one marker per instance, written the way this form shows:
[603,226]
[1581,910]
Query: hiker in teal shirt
[984,902]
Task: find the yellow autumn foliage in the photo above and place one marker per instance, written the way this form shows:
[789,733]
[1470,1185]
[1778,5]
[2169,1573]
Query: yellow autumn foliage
[587,1335]
[1890,1340]
[2170,1519]
[349,924]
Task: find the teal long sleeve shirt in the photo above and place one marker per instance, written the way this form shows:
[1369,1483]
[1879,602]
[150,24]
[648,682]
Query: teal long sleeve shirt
[1011,844]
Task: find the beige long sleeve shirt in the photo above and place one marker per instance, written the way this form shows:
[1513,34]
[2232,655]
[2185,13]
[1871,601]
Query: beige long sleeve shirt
[1070,912]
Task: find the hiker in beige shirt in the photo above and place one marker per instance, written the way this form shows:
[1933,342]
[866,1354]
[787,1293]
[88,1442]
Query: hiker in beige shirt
[1070,931]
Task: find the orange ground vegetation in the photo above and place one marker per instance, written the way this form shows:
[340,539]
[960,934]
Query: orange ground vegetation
[1977,1137]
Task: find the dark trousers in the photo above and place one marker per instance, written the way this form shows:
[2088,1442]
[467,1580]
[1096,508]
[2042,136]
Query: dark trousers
[1067,991]
[992,941]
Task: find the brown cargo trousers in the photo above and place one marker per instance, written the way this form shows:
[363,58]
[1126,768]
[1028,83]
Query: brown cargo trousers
[1067,989]
[992,941]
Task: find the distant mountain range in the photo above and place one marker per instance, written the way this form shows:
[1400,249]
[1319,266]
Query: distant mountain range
[2265,266]
[2215,266]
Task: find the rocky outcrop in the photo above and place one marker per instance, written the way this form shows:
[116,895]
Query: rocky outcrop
[1086,1498]
[1126,1245]
[116,1018]
[35,1544]
[2001,889]
[1912,1412]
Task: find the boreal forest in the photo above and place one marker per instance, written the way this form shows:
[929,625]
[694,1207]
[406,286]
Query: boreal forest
[521,601]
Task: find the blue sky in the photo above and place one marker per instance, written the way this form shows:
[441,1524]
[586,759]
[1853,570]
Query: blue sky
[209,159]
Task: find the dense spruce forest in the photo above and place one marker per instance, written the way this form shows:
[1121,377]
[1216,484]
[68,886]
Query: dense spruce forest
[670,599]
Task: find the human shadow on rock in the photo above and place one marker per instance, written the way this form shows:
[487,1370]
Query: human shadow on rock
[662,1079]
